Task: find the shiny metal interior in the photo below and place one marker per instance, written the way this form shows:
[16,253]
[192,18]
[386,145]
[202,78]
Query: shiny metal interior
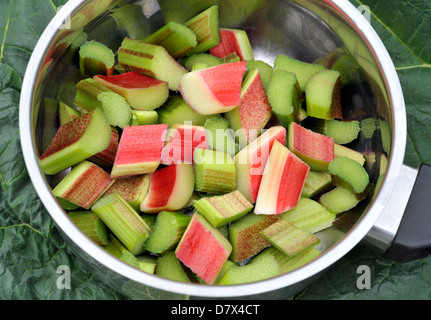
[308,30]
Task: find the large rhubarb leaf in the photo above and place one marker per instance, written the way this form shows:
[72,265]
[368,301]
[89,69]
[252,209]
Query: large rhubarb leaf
[31,249]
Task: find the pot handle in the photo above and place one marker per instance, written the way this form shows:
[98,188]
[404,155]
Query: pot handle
[413,237]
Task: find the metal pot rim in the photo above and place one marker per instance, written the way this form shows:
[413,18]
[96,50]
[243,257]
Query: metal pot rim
[333,254]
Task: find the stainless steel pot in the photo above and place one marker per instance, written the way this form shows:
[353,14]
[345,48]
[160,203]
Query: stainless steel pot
[304,29]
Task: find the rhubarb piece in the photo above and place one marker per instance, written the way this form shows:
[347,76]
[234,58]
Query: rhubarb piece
[150,60]
[231,57]
[91,225]
[203,249]
[139,150]
[285,96]
[206,27]
[141,118]
[66,113]
[147,264]
[204,58]
[83,185]
[309,215]
[214,171]
[199,66]
[140,91]
[181,141]
[323,95]
[124,222]
[131,19]
[316,183]
[253,111]
[368,127]
[256,270]
[177,111]
[302,70]
[87,92]
[245,237]
[223,209]
[119,250]
[227,265]
[342,131]
[106,158]
[282,182]
[219,135]
[150,219]
[340,150]
[213,90]
[91,95]
[233,41]
[175,37]
[116,109]
[133,189]
[76,141]
[288,238]
[315,149]
[170,188]
[339,200]
[250,162]
[170,267]
[95,58]
[167,232]
[265,71]
[349,174]
[287,263]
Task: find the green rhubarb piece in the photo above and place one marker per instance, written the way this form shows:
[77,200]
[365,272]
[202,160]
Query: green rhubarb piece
[95,58]
[133,189]
[150,60]
[87,92]
[67,205]
[340,150]
[227,265]
[170,267]
[256,270]
[309,215]
[123,221]
[167,232]
[231,57]
[91,94]
[348,173]
[67,113]
[323,95]
[288,238]
[206,27]
[219,135]
[287,263]
[265,71]
[284,96]
[339,200]
[76,141]
[205,58]
[245,237]
[199,66]
[343,132]
[91,225]
[116,109]
[342,62]
[140,118]
[118,250]
[316,183]
[215,171]
[175,37]
[177,111]
[223,209]
[302,70]
[147,264]
[368,127]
